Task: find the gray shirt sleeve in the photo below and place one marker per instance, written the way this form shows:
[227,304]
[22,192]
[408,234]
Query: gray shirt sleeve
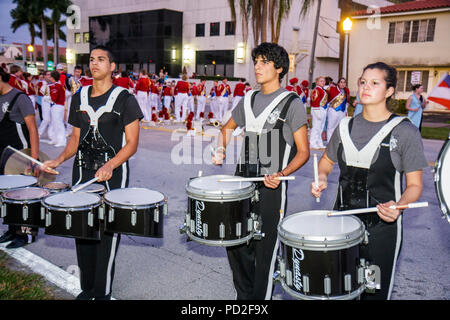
[22,108]
[333,145]
[238,113]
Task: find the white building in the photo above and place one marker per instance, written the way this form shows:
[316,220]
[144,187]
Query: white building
[199,36]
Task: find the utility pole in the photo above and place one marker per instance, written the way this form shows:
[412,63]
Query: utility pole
[313,49]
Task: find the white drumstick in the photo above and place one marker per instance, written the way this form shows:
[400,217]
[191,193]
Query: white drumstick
[254,179]
[31,158]
[374,209]
[84,185]
[316,175]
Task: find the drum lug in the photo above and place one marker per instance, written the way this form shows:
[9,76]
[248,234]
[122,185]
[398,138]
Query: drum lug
[282,267]
[289,277]
[205,230]
[238,229]
[3,212]
[48,218]
[101,212]
[25,213]
[366,237]
[133,218]
[165,208]
[327,285]
[91,218]
[111,215]
[255,198]
[156,215]
[348,282]
[68,221]
[305,284]
[42,213]
[250,224]
[222,231]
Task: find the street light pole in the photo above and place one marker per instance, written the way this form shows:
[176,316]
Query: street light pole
[347,26]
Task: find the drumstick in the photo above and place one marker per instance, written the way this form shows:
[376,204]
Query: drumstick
[374,209]
[254,179]
[81,186]
[32,159]
[316,175]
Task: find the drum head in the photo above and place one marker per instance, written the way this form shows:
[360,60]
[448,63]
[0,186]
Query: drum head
[133,197]
[72,199]
[209,187]
[442,182]
[16,181]
[94,188]
[56,186]
[316,226]
[28,193]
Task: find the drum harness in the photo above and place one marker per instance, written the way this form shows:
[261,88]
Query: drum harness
[94,151]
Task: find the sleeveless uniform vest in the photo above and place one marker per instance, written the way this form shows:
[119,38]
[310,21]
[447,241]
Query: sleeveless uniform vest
[257,157]
[99,140]
[361,183]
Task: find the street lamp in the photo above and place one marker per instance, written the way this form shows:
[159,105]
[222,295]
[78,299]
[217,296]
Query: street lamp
[347,26]
[30,49]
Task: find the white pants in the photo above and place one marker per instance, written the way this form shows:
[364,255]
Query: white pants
[167,101]
[46,117]
[222,107]
[190,104]
[201,102]
[181,100]
[212,106]
[66,120]
[142,98]
[334,117]
[58,130]
[318,121]
[153,101]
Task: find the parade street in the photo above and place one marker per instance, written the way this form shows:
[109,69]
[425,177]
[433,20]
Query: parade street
[172,268]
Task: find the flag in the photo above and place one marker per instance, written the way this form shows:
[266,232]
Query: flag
[441,92]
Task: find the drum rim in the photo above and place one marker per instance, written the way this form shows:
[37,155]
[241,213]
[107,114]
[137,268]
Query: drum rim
[321,243]
[445,207]
[18,175]
[119,205]
[72,208]
[201,194]
[7,199]
[220,243]
[67,186]
[103,190]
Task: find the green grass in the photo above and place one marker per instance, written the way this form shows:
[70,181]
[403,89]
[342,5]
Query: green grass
[19,285]
[435,133]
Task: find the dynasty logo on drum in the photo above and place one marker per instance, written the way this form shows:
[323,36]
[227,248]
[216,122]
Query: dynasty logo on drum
[199,208]
[297,256]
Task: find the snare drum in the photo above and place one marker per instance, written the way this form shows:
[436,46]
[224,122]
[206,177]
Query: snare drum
[22,207]
[320,256]
[135,211]
[442,179]
[55,187]
[73,215]
[14,181]
[95,188]
[220,213]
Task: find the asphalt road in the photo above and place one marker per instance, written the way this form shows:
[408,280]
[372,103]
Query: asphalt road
[172,268]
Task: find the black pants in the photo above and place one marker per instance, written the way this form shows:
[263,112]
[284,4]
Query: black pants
[96,259]
[253,265]
[383,249]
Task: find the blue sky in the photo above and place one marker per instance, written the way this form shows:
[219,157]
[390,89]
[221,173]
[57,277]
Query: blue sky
[22,34]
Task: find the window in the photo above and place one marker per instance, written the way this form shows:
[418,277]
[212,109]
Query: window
[214,29]
[213,63]
[86,37]
[200,30]
[411,31]
[230,27]
[77,37]
[406,77]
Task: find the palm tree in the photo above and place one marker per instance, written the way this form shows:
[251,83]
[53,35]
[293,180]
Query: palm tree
[23,17]
[59,8]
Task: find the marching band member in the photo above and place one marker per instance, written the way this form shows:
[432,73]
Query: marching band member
[73,85]
[30,87]
[15,79]
[87,79]
[201,99]
[142,88]
[181,98]
[153,96]
[102,144]
[213,98]
[191,97]
[373,150]
[318,113]
[57,100]
[17,129]
[239,93]
[277,115]
[293,83]
[337,105]
[167,96]
[46,101]
[223,92]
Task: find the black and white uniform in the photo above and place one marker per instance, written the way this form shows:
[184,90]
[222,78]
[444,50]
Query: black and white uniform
[365,182]
[265,151]
[14,132]
[102,121]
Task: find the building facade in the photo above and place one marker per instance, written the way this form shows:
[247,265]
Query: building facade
[200,37]
[413,37]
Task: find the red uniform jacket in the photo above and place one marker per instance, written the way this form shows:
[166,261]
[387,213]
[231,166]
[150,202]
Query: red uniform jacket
[239,90]
[182,87]
[123,82]
[85,81]
[57,93]
[143,84]
[16,82]
[318,97]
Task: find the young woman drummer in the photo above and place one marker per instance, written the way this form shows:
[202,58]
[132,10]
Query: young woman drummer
[373,151]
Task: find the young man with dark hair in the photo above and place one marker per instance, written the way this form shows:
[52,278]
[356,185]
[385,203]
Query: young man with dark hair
[17,129]
[102,142]
[275,144]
